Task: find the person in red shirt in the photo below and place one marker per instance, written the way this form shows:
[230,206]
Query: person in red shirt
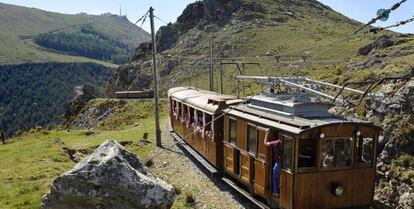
[276,145]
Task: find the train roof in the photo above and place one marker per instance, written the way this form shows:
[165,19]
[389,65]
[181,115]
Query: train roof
[206,101]
[291,113]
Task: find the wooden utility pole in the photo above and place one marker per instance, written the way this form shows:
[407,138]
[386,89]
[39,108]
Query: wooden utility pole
[155,74]
[211,72]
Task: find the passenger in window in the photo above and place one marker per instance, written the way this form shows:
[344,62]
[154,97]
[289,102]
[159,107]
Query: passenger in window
[328,152]
[276,144]
[193,120]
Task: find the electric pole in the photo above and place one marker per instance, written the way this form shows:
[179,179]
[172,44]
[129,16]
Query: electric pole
[211,72]
[155,74]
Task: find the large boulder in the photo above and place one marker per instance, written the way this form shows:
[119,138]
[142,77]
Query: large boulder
[110,178]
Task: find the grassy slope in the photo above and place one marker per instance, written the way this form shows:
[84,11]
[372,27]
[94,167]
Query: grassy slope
[311,31]
[19,24]
[30,162]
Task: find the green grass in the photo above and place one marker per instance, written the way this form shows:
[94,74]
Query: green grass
[30,162]
[20,24]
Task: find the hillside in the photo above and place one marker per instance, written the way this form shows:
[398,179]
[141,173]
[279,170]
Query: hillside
[35,94]
[43,155]
[243,31]
[292,38]
[20,26]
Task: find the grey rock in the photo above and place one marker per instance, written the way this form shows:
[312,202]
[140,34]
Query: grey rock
[406,200]
[381,42]
[110,178]
[83,94]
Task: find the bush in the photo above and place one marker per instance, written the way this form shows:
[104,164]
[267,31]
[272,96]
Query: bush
[189,199]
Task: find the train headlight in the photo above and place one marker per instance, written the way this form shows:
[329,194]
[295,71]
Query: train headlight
[322,135]
[339,190]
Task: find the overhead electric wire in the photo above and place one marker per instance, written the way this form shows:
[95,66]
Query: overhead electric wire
[379,16]
[161,20]
[372,21]
[403,22]
[142,18]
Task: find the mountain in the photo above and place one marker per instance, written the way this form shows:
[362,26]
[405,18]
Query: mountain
[243,31]
[292,38]
[29,35]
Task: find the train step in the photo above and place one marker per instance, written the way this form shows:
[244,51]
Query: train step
[245,193]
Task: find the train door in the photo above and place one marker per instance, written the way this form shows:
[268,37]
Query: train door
[286,172]
[230,136]
[262,170]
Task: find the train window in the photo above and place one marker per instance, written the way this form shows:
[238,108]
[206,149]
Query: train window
[287,143]
[365,149]
[192,117]
[307,154]
[199,121]
[179,109]
[336,153]
[207,129]
[175,109]
[233,131]
[183,112]
[252,139]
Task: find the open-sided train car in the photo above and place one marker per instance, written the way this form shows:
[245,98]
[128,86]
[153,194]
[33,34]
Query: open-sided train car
[327,161]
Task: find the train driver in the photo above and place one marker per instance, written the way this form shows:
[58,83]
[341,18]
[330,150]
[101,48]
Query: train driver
[276,145]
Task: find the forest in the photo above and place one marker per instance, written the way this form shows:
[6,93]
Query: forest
[34,94]
[85,42]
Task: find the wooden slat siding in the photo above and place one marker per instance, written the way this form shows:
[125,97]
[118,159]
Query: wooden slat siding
[229,158]
[339,130]
[245,167]
[261,147]
[306,196]
[262,175]
[358,186]
[261,180]
[218,141]
[241,140]
[226,128]
[285,183]
[211,151]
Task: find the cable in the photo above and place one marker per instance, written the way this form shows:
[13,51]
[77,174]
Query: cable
[380,15]
[142,18]
[403,22]
[161,20]
[384,13]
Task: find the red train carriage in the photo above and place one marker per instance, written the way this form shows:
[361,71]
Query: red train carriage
[327,161]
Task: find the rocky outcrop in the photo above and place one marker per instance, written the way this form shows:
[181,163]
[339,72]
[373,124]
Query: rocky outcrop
[392,108]
[96,113]
[110,178]
[132,77]
[381,42]
[82,96]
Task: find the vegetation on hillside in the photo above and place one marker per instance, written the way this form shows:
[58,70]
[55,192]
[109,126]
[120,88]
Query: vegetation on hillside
[33,159]
[255,32]
[34,94]
[19,25]
[87,43]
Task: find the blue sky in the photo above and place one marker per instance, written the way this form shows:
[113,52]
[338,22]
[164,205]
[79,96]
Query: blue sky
[169,10]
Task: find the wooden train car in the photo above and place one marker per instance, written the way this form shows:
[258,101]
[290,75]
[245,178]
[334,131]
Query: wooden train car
[327,161]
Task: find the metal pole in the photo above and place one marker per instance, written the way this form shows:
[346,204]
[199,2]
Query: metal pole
[155,74]
[221,80]
[211,75]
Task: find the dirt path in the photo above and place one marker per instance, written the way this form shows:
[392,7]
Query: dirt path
[176,168]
